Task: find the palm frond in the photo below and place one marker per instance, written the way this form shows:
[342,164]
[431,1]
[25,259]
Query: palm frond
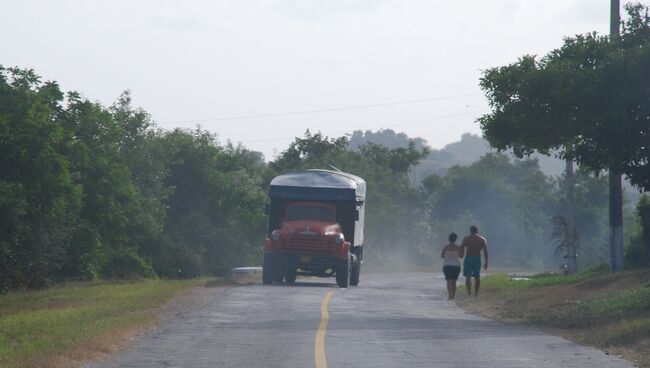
[560,235]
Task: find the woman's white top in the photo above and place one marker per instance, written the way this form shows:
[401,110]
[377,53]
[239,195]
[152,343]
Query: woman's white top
[451,258]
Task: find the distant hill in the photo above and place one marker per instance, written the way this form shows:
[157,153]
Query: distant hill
[469,149]
[437,161]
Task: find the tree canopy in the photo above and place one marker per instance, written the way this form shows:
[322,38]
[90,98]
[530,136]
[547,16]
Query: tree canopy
[88,191]
[592,95]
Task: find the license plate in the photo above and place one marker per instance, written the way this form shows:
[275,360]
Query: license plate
[305,259]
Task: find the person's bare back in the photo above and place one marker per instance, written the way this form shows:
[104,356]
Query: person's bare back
[473,244]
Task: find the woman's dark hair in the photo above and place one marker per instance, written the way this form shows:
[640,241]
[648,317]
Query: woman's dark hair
[453,237]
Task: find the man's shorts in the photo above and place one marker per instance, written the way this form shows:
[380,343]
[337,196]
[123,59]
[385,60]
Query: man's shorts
[451,272]
[472,266]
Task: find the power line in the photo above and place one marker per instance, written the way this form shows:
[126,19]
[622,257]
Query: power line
[382,127]
[354,107]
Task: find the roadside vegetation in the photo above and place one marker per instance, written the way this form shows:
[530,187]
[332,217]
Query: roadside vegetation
[76,322]
[89,192]
[610,311]
[586,102]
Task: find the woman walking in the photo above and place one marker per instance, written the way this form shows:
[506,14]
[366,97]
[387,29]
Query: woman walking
[451,266]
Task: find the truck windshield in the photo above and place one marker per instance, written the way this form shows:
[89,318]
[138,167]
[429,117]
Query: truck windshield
[310,213]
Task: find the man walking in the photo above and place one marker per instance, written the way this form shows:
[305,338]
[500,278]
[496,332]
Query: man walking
[471,248]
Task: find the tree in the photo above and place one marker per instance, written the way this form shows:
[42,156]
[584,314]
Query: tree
[214,218]
[384,137]
[88,191]
[638,248]
[592,95]
[311,151]
[38,197]
[113,217]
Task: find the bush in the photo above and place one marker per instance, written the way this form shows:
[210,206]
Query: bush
[174,260]
[126,265]
[636,256]
[637,252]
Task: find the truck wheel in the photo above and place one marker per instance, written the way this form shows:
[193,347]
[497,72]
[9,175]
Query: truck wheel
[278,273]
[355,273]
[290,275]
[267,272]
[343,275]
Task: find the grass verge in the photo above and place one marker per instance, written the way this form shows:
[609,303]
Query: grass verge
[608,311]
[76,322]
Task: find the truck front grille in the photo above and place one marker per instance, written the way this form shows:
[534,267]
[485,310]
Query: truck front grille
[310,243]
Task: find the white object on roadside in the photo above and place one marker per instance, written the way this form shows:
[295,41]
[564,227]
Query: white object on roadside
[245,274]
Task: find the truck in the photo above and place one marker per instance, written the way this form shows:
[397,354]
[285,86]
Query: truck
[315,227]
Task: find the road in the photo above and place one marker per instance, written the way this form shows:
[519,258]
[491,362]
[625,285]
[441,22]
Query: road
[389,320]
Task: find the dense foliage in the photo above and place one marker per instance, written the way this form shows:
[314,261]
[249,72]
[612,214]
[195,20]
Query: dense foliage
[592,95]
[512,202]
[89,192]
[637,253]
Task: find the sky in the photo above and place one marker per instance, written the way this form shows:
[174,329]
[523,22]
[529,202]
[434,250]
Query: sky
[261,72]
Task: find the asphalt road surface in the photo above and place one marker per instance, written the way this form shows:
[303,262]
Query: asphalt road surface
[389,320]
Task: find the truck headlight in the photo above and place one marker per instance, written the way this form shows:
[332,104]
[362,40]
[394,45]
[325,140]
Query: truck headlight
[339,239]
[275,235]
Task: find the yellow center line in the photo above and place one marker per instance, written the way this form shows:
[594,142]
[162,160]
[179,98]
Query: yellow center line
[319,345]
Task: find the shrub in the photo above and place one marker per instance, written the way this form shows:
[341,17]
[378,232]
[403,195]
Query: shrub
[126,265]
[637,252]
[175,261]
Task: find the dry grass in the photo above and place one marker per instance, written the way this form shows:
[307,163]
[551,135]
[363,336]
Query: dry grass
[65,325]
[608,311]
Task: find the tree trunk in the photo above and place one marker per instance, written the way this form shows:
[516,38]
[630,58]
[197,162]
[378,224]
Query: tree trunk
[615,222]
[572,241]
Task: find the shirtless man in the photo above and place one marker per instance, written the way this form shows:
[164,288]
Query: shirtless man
[471,248]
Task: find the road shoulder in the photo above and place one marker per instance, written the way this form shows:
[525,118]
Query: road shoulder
[178,306]
[605,311]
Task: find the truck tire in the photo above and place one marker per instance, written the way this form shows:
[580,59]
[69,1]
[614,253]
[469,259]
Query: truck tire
[355,273]
[267,272]
[343,275]
[290,275]
[278,273]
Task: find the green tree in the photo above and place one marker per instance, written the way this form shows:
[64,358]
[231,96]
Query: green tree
[638,248]
[588,100]
[112,218]
[592,94]
[88,191]
[38,198]
[214,219]
[311,151]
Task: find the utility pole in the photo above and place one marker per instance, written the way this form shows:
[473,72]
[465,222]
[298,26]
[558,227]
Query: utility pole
[615,187]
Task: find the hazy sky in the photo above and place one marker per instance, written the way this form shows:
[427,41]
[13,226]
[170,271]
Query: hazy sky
[192,60]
